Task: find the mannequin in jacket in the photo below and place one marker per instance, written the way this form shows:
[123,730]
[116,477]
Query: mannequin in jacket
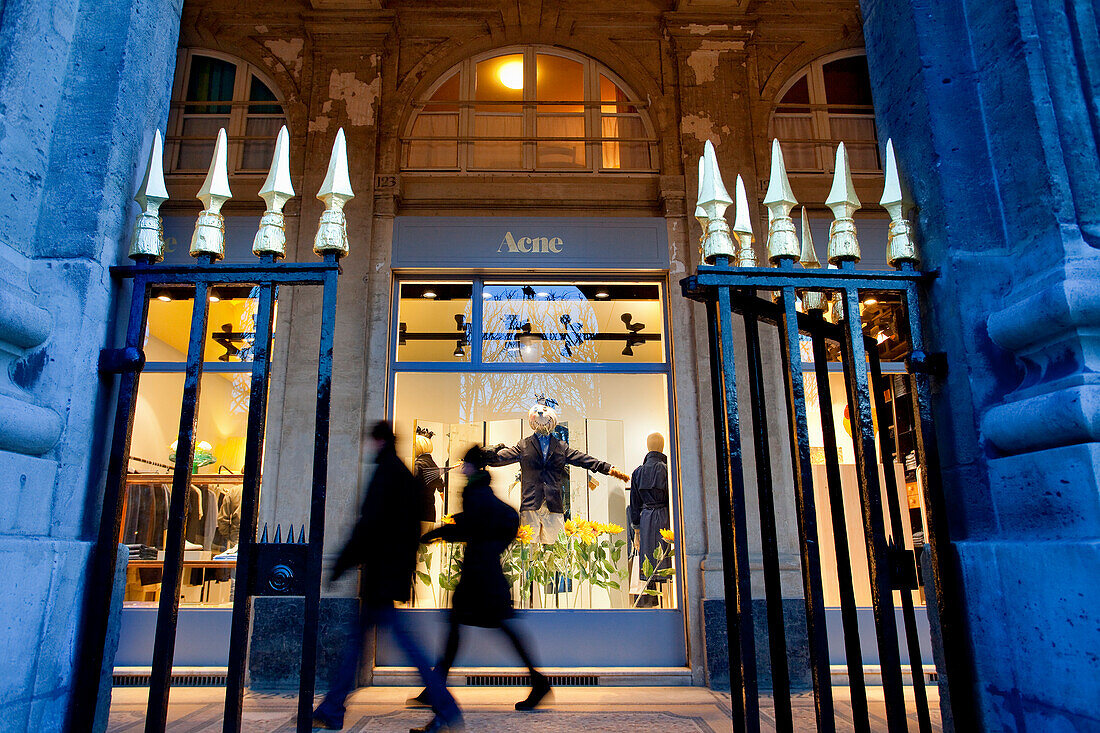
[427,472]
[543,460]
[649,512]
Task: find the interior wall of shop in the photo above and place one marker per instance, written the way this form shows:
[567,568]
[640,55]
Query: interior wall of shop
[708,73]
[82,88]
[992,109]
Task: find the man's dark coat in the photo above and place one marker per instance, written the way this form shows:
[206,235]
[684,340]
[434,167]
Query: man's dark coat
[541,477]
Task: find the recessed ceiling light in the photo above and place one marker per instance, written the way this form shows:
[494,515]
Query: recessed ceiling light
[165,298]
[487,295]
[881,338]
[870,301]
[602,294]
[542,295]
[429,294]
[214,299]
[511,74]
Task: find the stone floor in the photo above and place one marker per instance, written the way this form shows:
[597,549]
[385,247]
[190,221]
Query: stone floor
[489,710]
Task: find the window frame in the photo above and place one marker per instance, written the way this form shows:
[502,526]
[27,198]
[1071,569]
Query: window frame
[820,114]
[592,114]
[236,129]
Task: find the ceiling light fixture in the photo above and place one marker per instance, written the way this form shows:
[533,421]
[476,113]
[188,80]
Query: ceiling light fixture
[214,299]
[602,294]
[870,301]
[511,74]
[429,294]
[542,294]
[486,295]
[164,298]
[458,352]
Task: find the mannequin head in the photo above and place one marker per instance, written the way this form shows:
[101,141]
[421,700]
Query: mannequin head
[542,417]
[655,442]
[422,443]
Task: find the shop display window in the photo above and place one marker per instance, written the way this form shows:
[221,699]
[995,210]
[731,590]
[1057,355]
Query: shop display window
[212,525]
[433,321]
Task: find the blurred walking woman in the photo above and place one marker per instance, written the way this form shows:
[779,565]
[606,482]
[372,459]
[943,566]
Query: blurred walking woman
[483,596]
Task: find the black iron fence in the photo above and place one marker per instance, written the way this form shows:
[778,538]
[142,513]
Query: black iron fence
[816,314]
[262,568]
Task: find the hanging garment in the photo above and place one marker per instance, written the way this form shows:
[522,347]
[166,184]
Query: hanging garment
[541,473]
[649,511]
[430,477]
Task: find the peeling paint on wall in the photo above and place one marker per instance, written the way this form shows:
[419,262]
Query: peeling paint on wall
[704,60]
[289,52]
[699,127]
[359,96]
[318,124]
[697,29]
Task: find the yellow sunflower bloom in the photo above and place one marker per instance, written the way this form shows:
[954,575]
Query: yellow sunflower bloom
[610,528]
[668,536]
[570,528]
[525,534]
[448,519]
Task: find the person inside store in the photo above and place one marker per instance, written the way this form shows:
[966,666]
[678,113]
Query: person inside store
[383,544]
[483,596]
[543,461]
[649,513]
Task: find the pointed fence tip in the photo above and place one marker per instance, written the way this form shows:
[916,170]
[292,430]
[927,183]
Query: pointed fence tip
[278,181]
[302,535]
[742,223]
[779,198]
[337,182]
[278,534]
[809,251]
[152,189]
[842,197]
[215,188]
[895,197]
[263,537]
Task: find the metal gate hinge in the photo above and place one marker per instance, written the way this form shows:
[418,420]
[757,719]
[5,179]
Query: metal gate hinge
[120,361]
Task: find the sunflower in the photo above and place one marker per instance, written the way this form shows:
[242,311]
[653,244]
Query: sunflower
[668,536]
[570,528]
[448,519]
[610,528]
[525,534]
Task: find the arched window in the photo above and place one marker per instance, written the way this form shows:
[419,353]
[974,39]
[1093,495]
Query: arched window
[827,102]
[529,108]
[212,91]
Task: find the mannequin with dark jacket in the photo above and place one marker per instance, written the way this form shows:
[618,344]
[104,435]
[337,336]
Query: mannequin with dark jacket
[384,544]
[649,512]
[483,596]
[427,472]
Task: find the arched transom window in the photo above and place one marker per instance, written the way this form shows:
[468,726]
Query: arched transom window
[214,90]
[827,102]
[527,109]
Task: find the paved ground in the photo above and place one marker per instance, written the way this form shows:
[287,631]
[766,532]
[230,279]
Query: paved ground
[487,710]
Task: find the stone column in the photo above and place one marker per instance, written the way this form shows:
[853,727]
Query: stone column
[83,86]
[992,109]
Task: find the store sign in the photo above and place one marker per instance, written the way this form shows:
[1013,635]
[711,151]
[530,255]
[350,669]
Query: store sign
[628,243]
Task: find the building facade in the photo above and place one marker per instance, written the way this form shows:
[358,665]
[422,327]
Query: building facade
[524,180]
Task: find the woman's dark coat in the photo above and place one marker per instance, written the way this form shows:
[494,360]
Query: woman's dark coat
[649,507]
[387,536]
[431,479]
[487,525]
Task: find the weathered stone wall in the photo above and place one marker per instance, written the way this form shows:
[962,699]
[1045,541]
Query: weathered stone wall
[992,108]
[82,88]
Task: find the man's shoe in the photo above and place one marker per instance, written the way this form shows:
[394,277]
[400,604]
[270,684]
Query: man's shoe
[420,701]
[438,725]
[540,688]
[322,721]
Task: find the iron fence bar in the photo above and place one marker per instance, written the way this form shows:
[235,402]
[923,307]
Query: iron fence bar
[164,642]
[859,406]
[288,273]
[773,278]
[250,495]
[308,673]
[101,572]
[912,642]
[816,632]
[726,466]
[853,653]
[773,590]
[946,575]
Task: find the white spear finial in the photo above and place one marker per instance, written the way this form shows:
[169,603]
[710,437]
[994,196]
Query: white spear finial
[843,201]
[742,227]
[209,236]
[148,241]
[700,212]
[277,190]
[782,240]
[713,202]
[900,247]
[332,233]
[811,299]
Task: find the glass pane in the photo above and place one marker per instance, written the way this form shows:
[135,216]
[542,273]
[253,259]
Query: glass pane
[496,153]
[434,153]
[562,323]
[231,324]
[259,92]
[211,80]
[560,153]
[631,155]
[259,149]
[213,498]
[195,154]
[614,98]
[860,138]
[433,321]
[447,92]
[606,416]
[790,128]
[500,79]
[559,80]
[847,82]
[799,93]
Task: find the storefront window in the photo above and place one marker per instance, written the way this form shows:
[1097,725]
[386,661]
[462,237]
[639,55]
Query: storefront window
[212,527]
[595,353]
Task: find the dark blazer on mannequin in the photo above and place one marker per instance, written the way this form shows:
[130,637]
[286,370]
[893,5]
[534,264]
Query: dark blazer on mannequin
[540,477]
